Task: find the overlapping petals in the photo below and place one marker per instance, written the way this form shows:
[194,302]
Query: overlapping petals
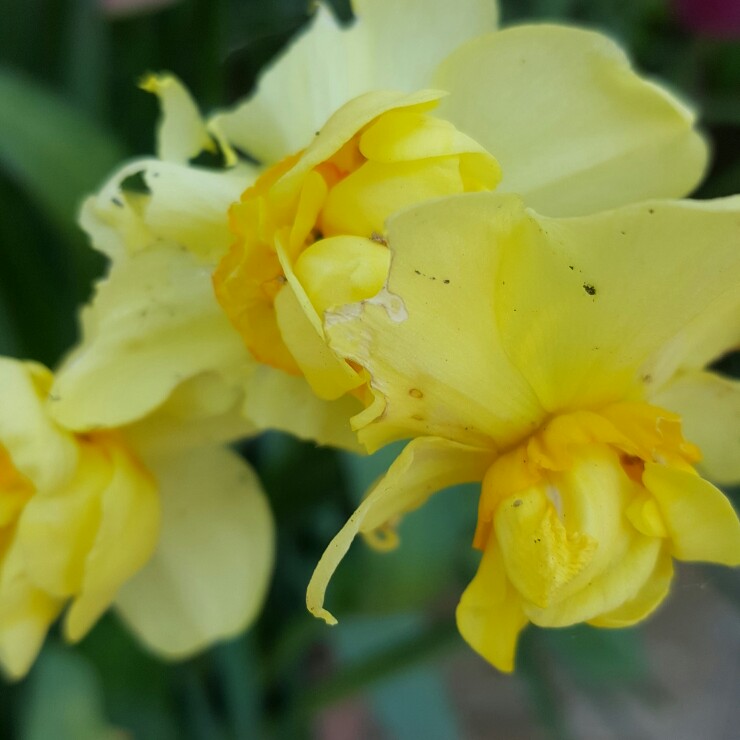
[592,490]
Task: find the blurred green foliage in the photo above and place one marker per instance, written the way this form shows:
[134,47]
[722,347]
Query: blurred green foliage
[69,110]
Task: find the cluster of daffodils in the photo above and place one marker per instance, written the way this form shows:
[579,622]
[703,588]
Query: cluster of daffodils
[471,242]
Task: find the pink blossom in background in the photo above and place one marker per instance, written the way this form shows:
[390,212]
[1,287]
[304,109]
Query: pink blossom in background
[132,7]
[718,18]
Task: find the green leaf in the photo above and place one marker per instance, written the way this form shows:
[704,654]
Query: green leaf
[65,700]
[52,149]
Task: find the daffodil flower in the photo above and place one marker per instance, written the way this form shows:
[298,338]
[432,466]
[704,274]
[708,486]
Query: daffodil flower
[554,114]
[162,532]
[554,360]
[153,323]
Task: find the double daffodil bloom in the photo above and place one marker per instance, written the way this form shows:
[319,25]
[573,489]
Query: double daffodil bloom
[153,323]
[310,231]
[554,114]
[554,360]
[107,517]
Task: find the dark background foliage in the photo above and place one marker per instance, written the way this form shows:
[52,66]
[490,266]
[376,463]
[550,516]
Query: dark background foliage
[70,110]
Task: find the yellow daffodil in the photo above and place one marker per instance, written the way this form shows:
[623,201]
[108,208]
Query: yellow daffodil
[310,229]
[552,113]
[177,537]
[554,360]
[153,324]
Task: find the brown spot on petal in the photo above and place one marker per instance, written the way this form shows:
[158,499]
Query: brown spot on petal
[415,393]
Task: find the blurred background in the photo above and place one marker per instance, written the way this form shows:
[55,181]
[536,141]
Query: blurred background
[395,667]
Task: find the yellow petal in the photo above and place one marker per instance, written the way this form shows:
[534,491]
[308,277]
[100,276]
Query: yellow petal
[431,342]
[540,554]
[426,466]
[59,526]
[709,406]
[574,128]
[617,585]
[329,376]
[276,400]
[604,561]
[360,203]
[188,205]
[209,574]
[342,269]
[37,448]
[489,615]
[586,304]
[26,613]
[647,599]
[153,323]
[125,538]
[700,519]
[327,65]
[205,410]
[181,134]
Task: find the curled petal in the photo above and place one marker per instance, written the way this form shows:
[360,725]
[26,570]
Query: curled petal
[426,466]
[490,615]
[701,522]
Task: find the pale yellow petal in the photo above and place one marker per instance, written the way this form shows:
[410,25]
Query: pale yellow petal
[153,323]
[489,615]
[574,128]
[329,376]
[58,527]
[181,134]
[203,411]
[26,613]
[326,65]
[112,218]
[125,539]
[37,447]
[209,575]
[709,406]
[701,522]
[426,466]
[586,305]
[189,205]
[275,400]
[430,341]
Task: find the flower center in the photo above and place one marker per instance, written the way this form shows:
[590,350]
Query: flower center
[318,227]
[571,499]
